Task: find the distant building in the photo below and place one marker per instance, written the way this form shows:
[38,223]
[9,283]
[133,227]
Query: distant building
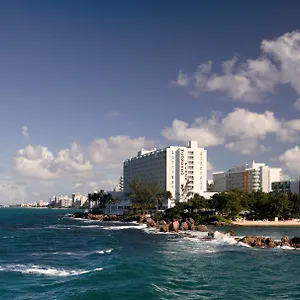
[120,186]
[78,200]
[248,177]
[290,186]
[120,206]
[174,168]
[61,201]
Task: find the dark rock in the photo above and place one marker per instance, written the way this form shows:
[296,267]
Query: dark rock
[285,241]
[295,242]
[161,222]
[191,220]
[231,233]
[192,226]
[165,228]
[184,226]
[150,222]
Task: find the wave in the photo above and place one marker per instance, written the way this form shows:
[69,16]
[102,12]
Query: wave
[143,226]
[43,270]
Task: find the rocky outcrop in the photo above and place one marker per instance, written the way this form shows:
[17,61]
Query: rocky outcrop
[267,242]
[174,226]
[184,226]
[162,225]
[285,241]
[295,242]
[202,228]
[231,233]
[259,242]
[165,228]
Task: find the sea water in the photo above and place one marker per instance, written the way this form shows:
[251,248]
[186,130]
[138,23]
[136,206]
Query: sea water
[45,254]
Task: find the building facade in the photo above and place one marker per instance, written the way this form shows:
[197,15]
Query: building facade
[290,186]
[249,177]
[176,169]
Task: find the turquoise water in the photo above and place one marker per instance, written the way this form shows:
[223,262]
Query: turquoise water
[46,255]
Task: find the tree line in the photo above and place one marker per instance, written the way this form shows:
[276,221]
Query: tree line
[149,197]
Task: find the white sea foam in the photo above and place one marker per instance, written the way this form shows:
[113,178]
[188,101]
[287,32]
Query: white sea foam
[125,227]
[43,270]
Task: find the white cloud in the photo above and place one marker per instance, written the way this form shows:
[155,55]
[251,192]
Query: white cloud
[113,151]
[246,146]
[291,160]
[241,130]
[11,192]
[202,130]
[279,63]
[25,132]
[296,104]
[39,162]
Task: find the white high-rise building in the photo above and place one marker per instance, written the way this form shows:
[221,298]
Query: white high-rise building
[172,168]
[248,177]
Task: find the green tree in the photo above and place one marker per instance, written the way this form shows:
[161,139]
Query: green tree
[146,195]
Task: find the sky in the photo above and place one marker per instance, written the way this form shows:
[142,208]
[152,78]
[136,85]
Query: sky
[85,84]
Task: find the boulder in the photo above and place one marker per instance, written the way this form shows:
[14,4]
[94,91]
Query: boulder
[285,241]
[150,222]
[184,226]
[295,242]
[165,228]
[231,233]
[259,242]
[192,226]
[80,215]
[161,222]
[191,220]
[174,226]
[202,228]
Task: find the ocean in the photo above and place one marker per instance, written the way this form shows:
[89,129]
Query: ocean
[45,254]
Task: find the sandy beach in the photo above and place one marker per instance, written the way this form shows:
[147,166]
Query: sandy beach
[267,223]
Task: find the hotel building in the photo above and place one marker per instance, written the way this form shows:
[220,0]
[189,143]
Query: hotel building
[173,168]
[248,177]
[290,186]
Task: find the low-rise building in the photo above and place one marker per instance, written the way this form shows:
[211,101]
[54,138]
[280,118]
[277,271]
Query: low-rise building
[247,177]
[289,186]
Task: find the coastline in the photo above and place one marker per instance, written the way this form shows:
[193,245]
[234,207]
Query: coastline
[266,223]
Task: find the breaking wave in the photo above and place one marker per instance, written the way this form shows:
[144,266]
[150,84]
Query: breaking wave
[43,270]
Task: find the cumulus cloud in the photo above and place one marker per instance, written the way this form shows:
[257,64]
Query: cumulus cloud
[11,191]
[240,131]
[247,81]
[296,104]
[113,151]
[39,162]
[203,130]
[25,132]
[291,160]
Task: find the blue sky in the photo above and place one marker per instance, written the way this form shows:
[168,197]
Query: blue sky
[109,77]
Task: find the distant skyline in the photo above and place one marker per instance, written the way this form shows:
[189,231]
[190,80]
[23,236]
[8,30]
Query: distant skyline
[85,85]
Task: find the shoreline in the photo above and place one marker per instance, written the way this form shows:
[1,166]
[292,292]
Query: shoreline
[266,223]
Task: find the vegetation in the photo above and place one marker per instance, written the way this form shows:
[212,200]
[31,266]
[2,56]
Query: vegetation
[99,200]
[225,206]
[147,196]
[221,207]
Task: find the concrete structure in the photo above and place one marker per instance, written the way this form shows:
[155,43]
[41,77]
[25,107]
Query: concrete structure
[61,201]
[248,177]
[120,186]
[120,206]
[176,169]
[78,200]
[290,186]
